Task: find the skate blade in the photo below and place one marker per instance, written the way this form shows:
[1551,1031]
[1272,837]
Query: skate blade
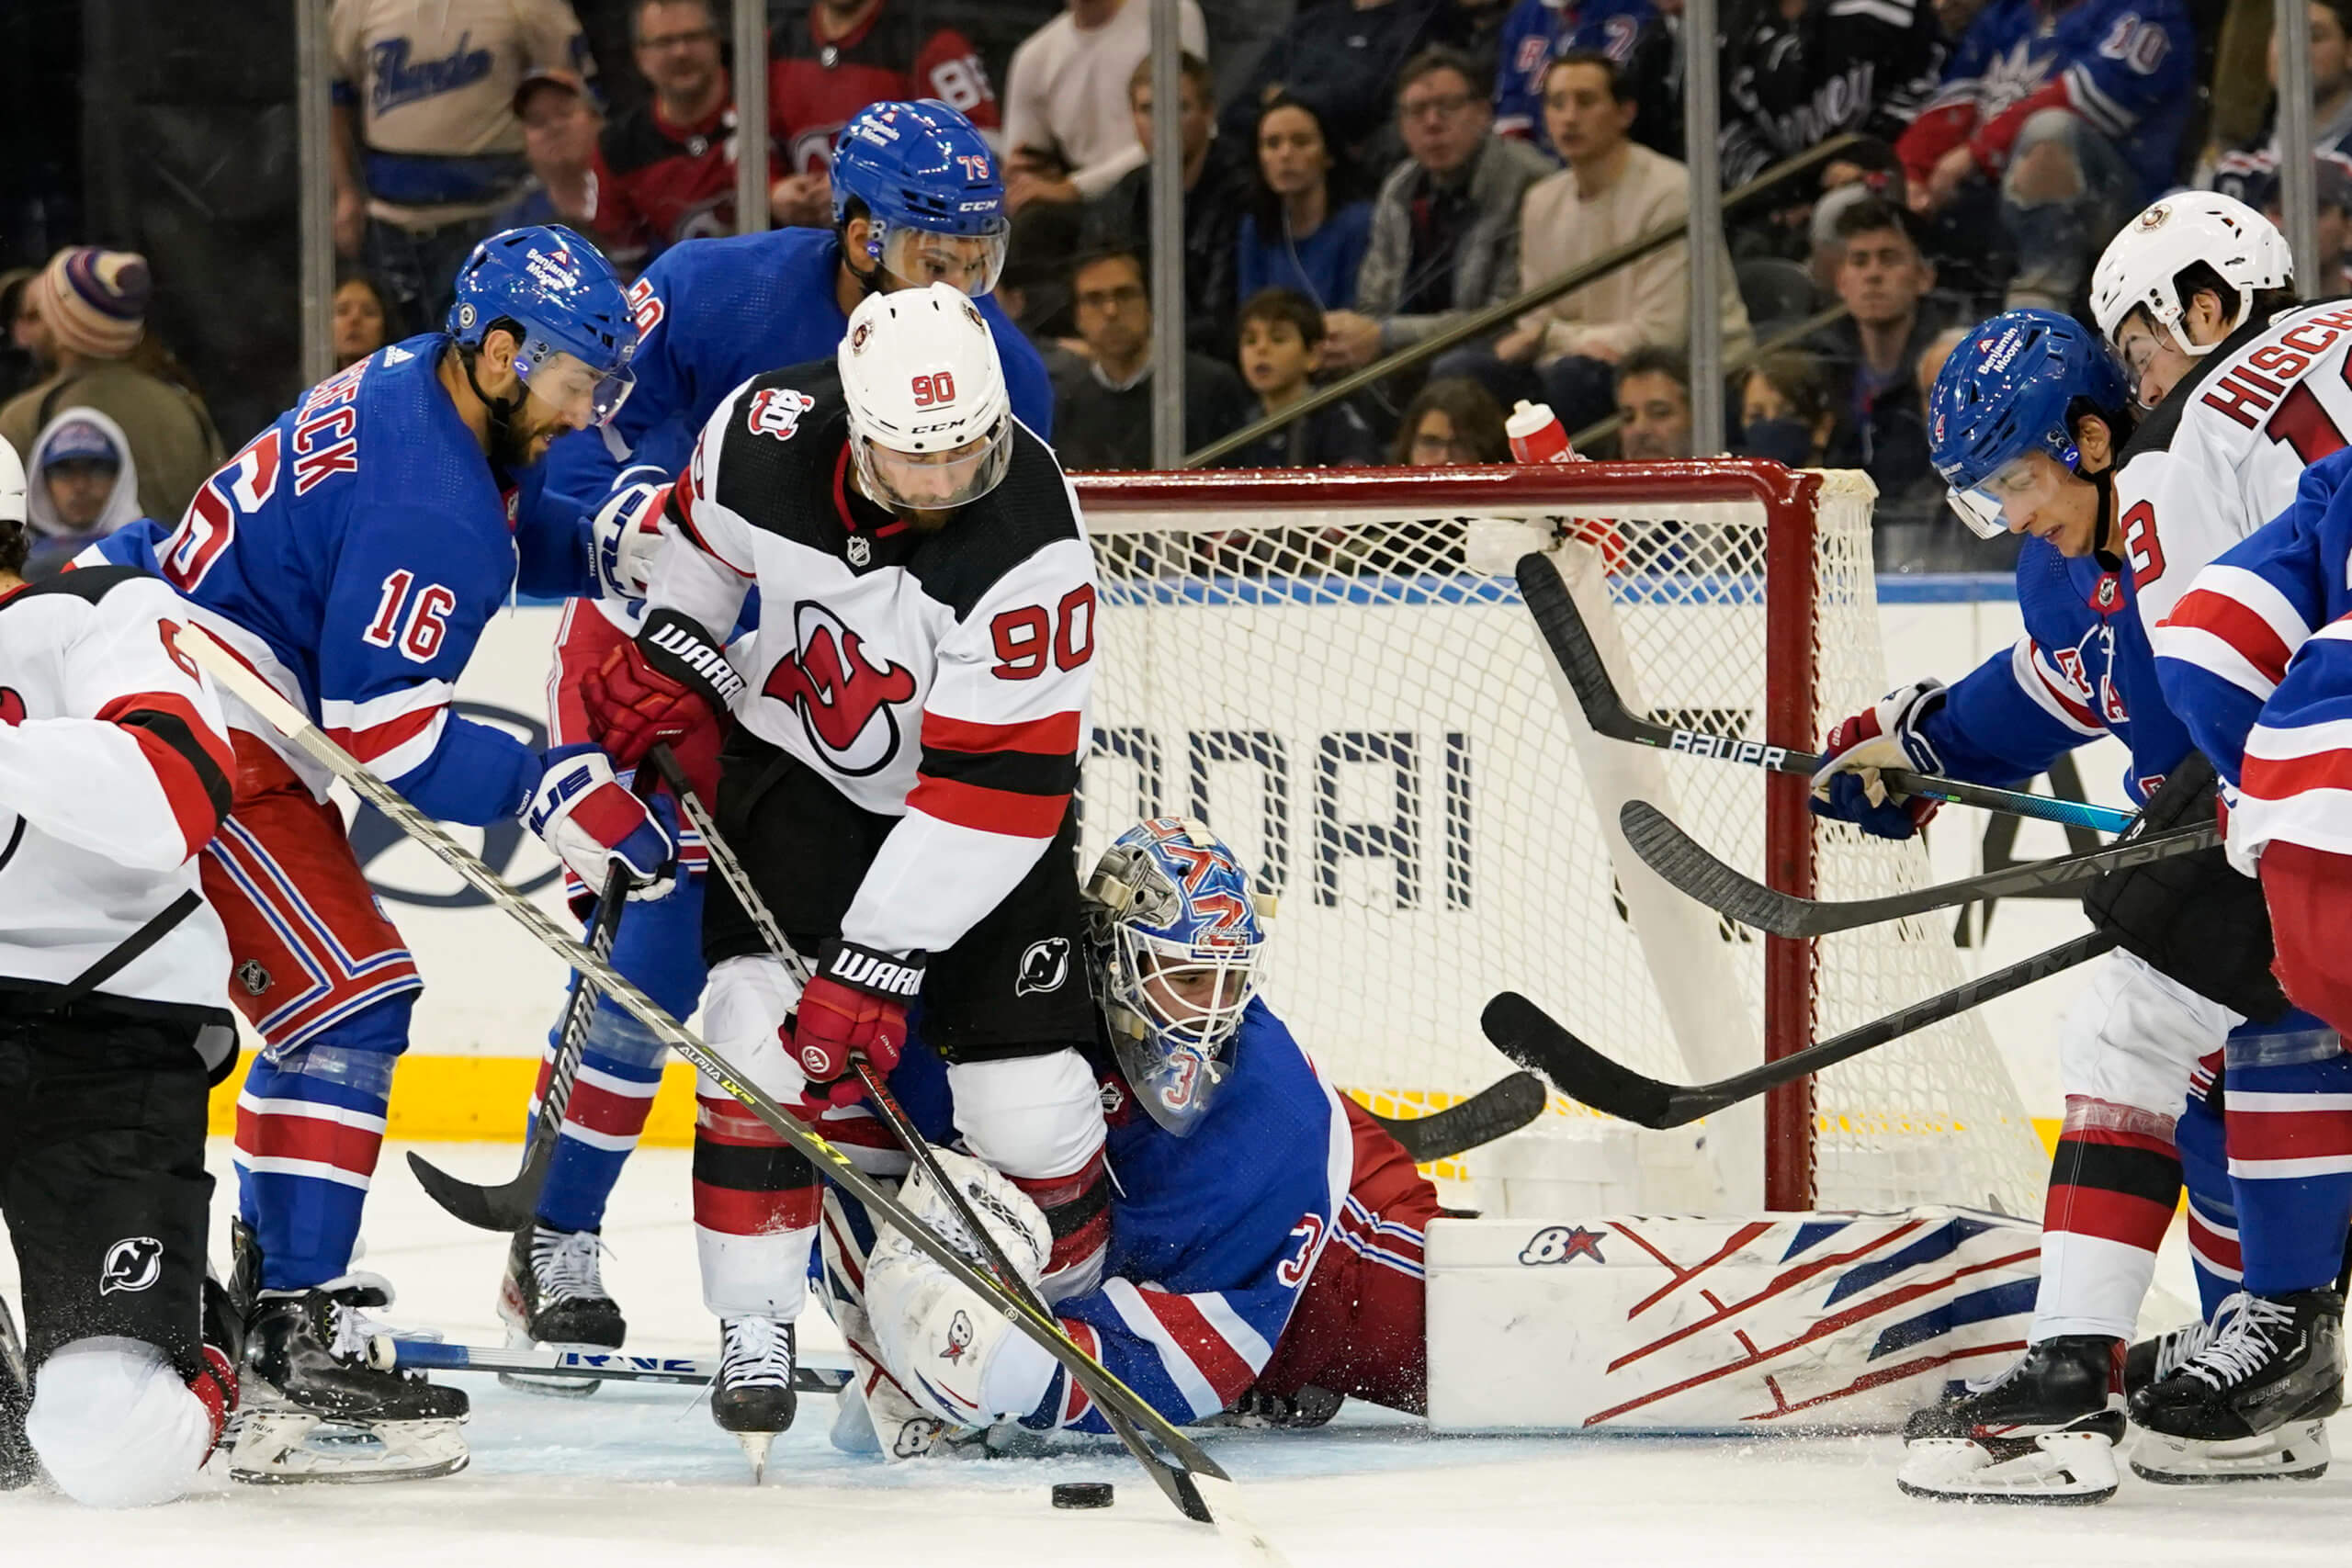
[2060,1468]
[279,1448]
[756,1449]
[547,1385]
[2297,1451]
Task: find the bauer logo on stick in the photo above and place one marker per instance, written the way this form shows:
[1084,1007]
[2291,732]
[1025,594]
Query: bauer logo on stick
[134,1263]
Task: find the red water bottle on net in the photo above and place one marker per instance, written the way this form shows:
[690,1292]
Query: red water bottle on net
[1537,436]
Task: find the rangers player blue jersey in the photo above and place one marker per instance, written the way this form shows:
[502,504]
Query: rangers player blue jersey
[352,554]
[1539,32]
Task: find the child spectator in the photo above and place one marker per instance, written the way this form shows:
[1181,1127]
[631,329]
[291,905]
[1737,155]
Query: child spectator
[1872,356]
[1104,421]
[1297,232]
[560,130]
[1453,421]
[1345,59]
[361,318]
[84,488]
[1445,225]
[835,57]
[1213,182]
[1785,412]
[1653,404]
[1280,330]
[1069,130]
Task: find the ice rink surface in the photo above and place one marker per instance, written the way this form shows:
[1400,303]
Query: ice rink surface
[640,1476]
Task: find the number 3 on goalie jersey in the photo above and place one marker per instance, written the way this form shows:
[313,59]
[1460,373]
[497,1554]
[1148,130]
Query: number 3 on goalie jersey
[240,488]
[1025,638]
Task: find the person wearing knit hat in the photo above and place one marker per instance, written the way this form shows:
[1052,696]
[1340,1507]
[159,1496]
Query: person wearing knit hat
[93,304]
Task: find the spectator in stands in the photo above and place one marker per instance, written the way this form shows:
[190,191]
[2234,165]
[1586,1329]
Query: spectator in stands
[2246,171]
[2332,217]
[1868,169]
[2076,111]
[1785,412]
[559,129]
[1453,421]
[1280,330]
[1104,421]
[1798,72]
[1068,130]
[1653,404]
[1612,190]
[1445,225]
[837,56]
[1872,356]
[85,486]
[361,318]
[1298,230]
[665,170]
[1536,33]
[93,305]
[1345,58]
[427,145]
[24,353]
[1215,183]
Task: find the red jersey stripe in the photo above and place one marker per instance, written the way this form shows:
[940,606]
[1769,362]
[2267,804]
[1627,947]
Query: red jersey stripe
[1218,1362]
[2203,609]
[989,810]
[1055,735]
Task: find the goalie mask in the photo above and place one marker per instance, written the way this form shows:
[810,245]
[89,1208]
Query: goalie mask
[1176,933]
[930,422]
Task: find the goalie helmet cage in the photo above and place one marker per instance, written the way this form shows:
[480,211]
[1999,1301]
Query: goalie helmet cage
[1333,668]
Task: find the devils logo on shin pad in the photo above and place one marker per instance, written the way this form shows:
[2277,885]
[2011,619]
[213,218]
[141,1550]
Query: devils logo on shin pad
[843,697]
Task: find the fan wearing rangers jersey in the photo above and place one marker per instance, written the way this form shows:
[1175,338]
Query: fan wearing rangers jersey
[1538,32]
[113,772]
[351,555]
[827,63]
[1265,1254]
[917,199]
[909,717]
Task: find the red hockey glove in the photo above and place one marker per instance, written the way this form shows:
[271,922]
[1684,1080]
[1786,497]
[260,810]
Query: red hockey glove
[854,1004]
[672,685]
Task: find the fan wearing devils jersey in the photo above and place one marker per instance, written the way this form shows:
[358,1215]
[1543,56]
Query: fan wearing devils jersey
[917,199]
[351,555]
[1265,1254]
[114,771]
[910,712]
[840,55]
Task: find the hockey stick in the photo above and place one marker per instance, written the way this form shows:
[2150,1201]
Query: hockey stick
[387,1354]
[1565,634]
[1180,1487]
[514,1204]
[1048,1333]
[1529,1035]
[1685,863]
[1501,1108]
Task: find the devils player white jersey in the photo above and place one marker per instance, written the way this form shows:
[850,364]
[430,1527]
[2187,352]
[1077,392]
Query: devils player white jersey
[2222,456]
[114,769]
[940,676]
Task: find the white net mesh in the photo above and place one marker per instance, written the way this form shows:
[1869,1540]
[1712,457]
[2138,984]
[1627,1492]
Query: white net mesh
[1373,724]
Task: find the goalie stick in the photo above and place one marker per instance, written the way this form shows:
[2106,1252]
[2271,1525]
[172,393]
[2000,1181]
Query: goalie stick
[1047,1333]
[1565,633]
[1501,1108]
[1179,1487]
[387,1354]
[1691,868]
[1531,1037]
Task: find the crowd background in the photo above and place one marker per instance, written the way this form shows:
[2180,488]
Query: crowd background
[1359,176]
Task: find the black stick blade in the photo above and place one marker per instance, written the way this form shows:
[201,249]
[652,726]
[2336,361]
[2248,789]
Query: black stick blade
[1500,1108]
[506,1208]
[1685,863]
[1532,1038]
[1563,632]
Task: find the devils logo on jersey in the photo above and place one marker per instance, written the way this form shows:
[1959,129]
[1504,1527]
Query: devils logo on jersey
[12,707]
[843,696]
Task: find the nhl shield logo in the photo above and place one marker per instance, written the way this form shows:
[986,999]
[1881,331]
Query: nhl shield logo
[1045,966]
[253,978]
[859,551]
[134,1263]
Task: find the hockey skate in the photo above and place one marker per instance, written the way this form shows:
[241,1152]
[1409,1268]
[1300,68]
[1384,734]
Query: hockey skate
[553,1295]
[753,1397]
[18,1465]
[2251,1405]
[2043,1431]
[313,1409]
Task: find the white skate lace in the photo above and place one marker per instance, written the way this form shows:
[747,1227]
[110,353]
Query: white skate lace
[354,1326]
[2175,1349]
[755,1352]
[2242,1344]
[567,1264]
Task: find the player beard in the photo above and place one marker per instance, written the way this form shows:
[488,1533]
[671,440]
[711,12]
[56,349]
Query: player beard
[517,443]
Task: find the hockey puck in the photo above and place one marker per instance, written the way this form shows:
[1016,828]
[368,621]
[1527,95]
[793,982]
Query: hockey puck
[1082,1494]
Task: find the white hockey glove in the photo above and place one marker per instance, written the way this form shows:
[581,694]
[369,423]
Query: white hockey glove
[593,823]
[624,533]
[951,1350]
[1847,786]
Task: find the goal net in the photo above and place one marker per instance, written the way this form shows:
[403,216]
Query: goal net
[1334,670]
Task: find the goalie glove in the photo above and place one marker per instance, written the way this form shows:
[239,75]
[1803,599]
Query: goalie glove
[952,1349]
[624,535]
[671,683]
[593,823]
[1847,787]
[855,1004]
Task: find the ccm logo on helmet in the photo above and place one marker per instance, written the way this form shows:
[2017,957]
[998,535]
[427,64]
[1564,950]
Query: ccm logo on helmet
[930,389]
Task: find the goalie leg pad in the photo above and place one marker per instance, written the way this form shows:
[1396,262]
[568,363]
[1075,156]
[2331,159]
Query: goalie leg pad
[2297,1451]
[2053,1467]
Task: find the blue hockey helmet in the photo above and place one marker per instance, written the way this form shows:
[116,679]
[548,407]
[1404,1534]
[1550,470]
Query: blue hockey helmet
[565,299]
[1176,934]
[930,185]
[2008,390]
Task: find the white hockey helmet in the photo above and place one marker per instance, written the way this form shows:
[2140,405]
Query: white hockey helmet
[2140,264]
[12,484]
[930,422]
